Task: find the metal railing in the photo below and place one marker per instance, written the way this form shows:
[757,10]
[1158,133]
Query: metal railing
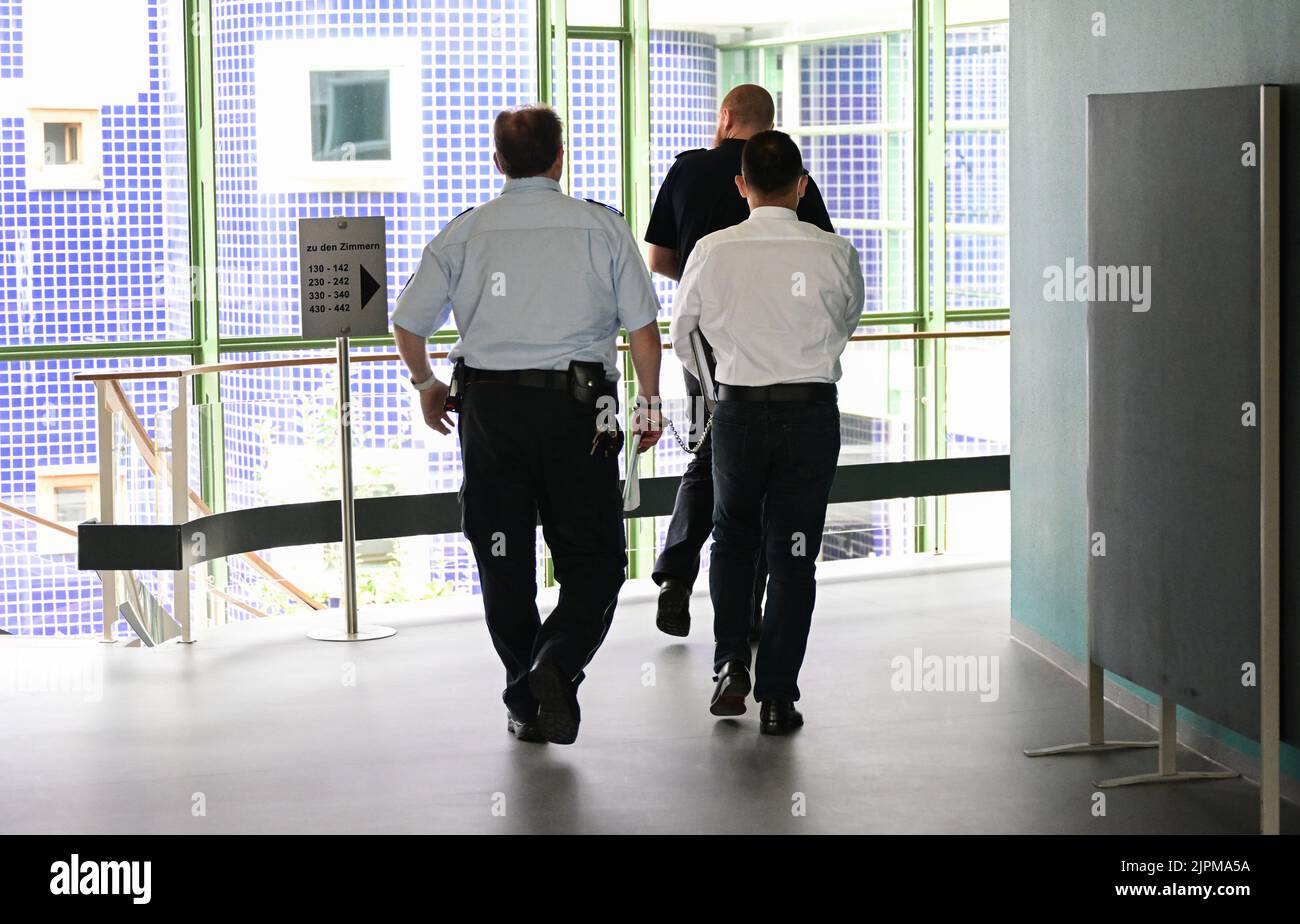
[111,548]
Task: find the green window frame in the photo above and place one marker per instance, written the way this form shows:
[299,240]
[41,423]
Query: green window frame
[929,313]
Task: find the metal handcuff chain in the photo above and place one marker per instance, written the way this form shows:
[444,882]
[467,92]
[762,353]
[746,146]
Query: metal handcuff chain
[686,447]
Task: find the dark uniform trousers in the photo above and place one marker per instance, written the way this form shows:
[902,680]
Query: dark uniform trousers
[527,452]
[692,520]
[773,464]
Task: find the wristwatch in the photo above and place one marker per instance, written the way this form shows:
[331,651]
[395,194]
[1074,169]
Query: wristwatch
[426,384]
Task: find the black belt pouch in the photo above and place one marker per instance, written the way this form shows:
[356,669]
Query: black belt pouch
[587,382]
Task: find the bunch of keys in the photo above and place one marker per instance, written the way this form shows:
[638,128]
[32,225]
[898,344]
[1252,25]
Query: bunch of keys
[607,441]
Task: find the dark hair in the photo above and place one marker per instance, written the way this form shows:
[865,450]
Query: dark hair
[771,162]
[527,140]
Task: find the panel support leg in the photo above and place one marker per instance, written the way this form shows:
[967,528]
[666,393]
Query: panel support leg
[1168,760]
[1096,724]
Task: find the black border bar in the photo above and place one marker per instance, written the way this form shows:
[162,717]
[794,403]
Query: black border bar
[170,547]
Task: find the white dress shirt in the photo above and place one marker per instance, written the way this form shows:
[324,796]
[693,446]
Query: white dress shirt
[777,299]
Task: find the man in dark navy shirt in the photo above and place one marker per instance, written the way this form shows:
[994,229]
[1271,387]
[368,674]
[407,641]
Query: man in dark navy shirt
[699,196]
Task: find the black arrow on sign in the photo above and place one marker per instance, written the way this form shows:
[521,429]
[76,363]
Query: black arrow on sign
[369,286]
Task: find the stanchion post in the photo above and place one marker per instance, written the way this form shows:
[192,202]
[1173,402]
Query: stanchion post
[349,536]
[352,632]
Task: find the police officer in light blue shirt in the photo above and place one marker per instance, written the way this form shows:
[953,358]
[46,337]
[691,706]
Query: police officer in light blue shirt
[540,284]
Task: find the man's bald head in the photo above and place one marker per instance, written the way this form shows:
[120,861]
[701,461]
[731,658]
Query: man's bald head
[750,109]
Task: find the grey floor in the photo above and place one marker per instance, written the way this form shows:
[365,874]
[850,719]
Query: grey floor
[266,726]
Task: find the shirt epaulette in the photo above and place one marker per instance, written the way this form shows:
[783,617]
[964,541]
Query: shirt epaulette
[603,205]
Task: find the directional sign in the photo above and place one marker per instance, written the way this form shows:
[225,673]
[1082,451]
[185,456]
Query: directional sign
[343,277]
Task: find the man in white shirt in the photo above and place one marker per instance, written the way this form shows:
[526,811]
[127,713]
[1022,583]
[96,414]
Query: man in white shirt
[778,300]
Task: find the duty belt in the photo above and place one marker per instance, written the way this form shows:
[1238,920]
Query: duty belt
[794,391]
[557,379]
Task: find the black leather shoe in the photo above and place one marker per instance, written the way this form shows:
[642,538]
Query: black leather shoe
[733,686]
[778,717]
[674,617]
[523,730]
[557,713]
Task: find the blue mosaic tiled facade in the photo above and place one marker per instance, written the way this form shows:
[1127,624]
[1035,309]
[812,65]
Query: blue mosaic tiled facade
[77,267]
[112,264]
[476,58]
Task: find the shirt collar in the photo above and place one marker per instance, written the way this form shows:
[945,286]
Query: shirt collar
[774,211]
[521,183]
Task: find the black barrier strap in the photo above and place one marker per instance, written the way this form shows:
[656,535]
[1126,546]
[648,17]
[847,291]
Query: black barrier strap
[170,547]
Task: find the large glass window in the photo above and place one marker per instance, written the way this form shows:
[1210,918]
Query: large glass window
[94,237]
[400,124]
[356,107]
[841,79]
[976,384]
[50,469]
[976,161]
[345,109]
[94,255]
[279,432]
[595,156]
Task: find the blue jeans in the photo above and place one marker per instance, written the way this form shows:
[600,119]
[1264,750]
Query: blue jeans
[773,464]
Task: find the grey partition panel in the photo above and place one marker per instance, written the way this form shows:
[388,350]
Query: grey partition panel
[1173,473]
[1290,419]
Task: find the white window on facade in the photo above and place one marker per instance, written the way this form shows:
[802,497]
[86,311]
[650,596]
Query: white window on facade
[64,149]
[67,496]
[350,115]
[338,116]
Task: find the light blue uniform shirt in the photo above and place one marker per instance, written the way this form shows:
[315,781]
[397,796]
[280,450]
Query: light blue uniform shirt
[535,279]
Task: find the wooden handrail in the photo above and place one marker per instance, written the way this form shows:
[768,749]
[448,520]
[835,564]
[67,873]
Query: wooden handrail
[233,600]
[183,372]
[38,520]
[149,450]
